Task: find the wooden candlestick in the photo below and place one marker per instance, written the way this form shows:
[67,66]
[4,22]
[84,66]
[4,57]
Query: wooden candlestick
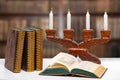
[80,49]
[105,34]
[51,32]
[87,34]
[68,34]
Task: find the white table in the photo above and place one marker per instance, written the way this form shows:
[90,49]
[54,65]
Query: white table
[113,72]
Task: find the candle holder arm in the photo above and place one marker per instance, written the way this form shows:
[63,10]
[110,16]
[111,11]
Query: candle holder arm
[90,57]
[68,43]
[92,42]
[84,54]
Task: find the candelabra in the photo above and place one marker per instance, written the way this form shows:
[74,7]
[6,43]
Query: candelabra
[80,49]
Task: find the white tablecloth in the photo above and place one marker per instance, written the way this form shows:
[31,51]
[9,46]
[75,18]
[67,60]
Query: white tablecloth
[113,72]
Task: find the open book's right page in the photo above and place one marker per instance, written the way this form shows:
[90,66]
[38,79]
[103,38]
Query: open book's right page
[94,68]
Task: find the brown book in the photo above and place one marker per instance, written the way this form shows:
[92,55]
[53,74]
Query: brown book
[29,50]
[38,47]
[14,50]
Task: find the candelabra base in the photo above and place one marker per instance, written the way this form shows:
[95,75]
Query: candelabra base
[84,54]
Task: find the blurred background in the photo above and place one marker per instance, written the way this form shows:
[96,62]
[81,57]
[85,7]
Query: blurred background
[22,13]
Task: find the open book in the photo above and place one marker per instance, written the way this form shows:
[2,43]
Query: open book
[66,64]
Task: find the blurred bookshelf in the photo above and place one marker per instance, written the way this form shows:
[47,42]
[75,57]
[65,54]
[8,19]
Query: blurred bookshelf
[22,13]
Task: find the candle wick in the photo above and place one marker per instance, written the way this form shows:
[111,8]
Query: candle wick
[68,9]
[87,13]
[88,10]
[69,12]
[51,8]
[105,13]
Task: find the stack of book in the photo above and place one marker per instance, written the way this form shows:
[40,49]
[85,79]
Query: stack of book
[24,49]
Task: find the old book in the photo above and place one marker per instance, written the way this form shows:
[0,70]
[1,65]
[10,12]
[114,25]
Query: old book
[38,47]
[66,64]
[29,50]
[14,50]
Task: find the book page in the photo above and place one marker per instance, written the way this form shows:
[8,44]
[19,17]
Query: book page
[64,59]
[94,68]
[88,66]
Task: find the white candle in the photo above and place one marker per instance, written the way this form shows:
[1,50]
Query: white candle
[88,21]
[51,20]
[68,20]
[105,21]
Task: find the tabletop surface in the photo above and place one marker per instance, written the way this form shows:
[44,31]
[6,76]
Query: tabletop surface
[113,72]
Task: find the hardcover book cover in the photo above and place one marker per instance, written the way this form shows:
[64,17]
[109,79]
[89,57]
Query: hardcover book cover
[14,50]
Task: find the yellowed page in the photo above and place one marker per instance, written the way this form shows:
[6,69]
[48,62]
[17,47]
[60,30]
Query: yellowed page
[100,71]
[64,59]
[97,69]
[57,65]
[88,66]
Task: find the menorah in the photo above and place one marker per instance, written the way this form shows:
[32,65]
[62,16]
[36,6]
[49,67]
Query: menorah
[80,49]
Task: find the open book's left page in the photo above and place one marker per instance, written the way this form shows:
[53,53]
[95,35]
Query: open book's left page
[60,65]
[64,59]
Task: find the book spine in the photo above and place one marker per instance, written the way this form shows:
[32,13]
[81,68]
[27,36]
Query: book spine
[39,39]
[19,51]
[30,50]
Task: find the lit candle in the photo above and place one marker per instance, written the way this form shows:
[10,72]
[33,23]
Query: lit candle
[51,20]
[105,21]
[88,21]
[68,20]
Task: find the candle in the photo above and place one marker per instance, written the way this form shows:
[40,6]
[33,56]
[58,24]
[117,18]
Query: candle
[88,21]
[68,20]
[51,20]
[105,21]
